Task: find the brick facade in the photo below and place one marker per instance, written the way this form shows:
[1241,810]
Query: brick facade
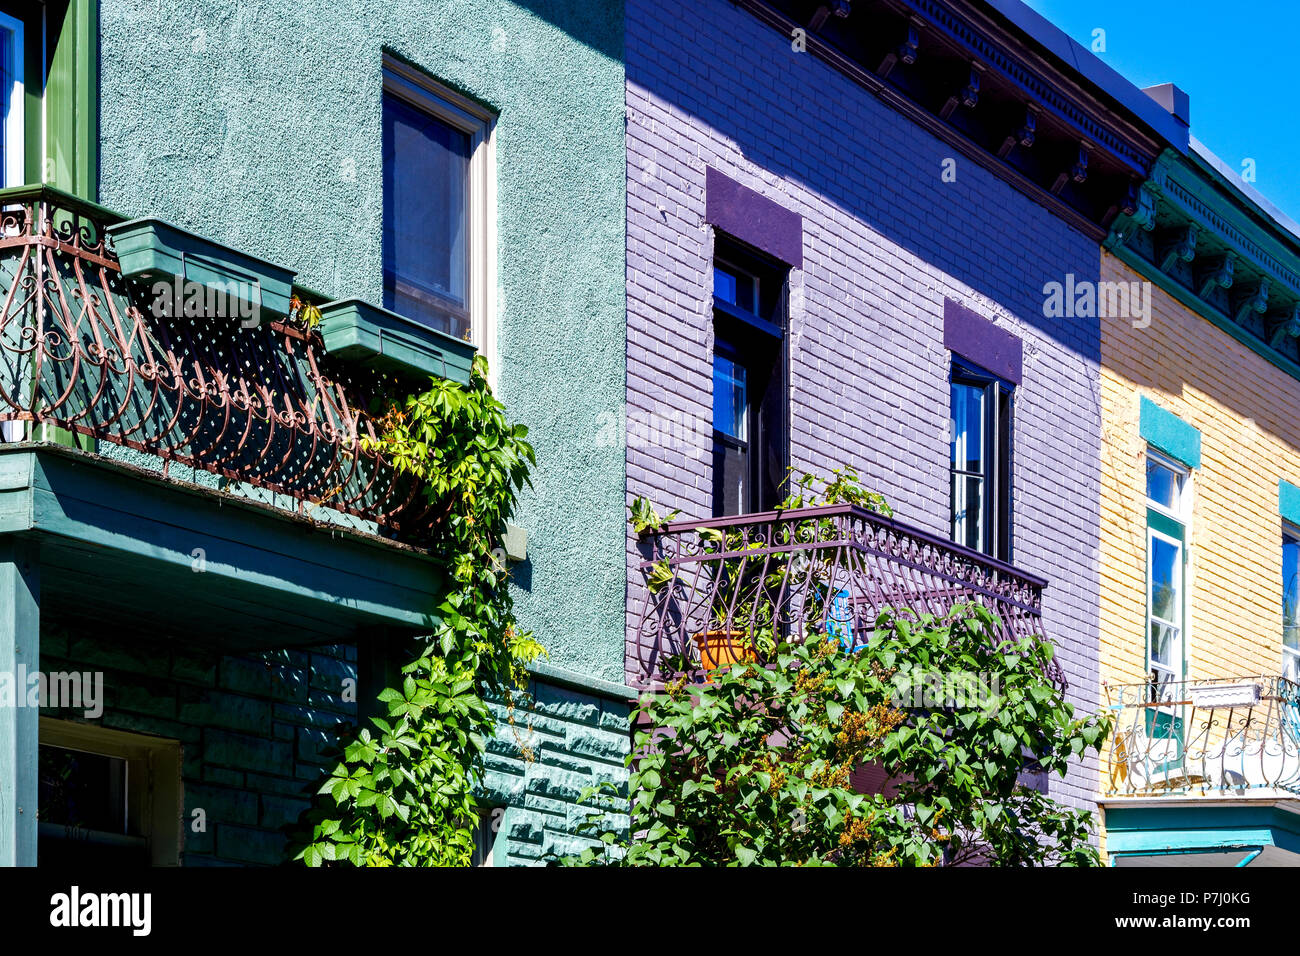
[885,241]
[1249,418]
[255,731]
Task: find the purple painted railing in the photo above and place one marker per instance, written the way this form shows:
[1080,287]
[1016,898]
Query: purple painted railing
[717,590]
[1223,735]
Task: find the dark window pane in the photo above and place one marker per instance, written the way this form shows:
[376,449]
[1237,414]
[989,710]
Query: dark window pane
[730,402]
[83,790]
[426,218]
[1290,593]
[1163,484]
[967,428]
[735,288]
[1166,580]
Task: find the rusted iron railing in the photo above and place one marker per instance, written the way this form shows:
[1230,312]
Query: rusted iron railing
[716,589]
[81,349]
[1231,735]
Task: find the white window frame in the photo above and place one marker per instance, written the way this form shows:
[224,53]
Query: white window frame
[1178,514]
[1290,532]
[14,129]
[463,114]
[1179,626]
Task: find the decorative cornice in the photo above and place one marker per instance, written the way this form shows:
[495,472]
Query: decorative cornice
[1213,254]
[1031,82]
[972,86]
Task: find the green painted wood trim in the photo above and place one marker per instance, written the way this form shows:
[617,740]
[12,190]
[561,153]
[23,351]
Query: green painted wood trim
[1288,501]
[20,652]
[250,548]
[1169,433]
[72,100]
[1166,525]
[1169,829]
[1192,301]
[1198,190]
[358,331]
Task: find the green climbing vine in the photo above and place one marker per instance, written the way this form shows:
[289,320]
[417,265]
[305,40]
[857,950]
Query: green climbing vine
[402,791]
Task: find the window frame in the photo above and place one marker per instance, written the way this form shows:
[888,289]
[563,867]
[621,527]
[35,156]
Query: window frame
[1172,526]
[154,803]
[998,433]
[426,94]
[1290,534]
[756,341]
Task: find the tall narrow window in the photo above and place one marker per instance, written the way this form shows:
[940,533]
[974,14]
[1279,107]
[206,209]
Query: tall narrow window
[749,393]
[436,215]
[980,460]
[1166,483]
[12,149]
[1290,600]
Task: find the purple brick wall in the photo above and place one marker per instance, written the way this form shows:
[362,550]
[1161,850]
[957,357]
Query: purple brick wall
[885,242]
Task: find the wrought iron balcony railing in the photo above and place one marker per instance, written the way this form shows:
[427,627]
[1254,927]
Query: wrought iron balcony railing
[717,589]
[1225,736]
[82,350]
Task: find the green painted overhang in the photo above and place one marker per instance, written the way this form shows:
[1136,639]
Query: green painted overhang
[360,332]
[1194,831]
[121,546]
[1194,232]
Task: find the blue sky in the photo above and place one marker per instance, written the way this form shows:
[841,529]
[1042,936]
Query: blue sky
[1235,60]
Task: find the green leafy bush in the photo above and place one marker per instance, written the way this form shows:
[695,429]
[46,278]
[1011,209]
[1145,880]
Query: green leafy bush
[754,768]
[402,792]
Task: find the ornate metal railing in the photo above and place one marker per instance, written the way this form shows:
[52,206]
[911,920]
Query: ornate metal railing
[717,590]
[82,350]
[1222,736]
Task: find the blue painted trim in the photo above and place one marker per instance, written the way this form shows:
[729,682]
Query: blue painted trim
[1170,434]
[1288,501]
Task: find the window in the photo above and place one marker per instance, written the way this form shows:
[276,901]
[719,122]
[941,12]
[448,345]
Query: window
[980,460]
[750,409]
[107,797]
[437,217]
[12,138]
[1290,600]
[1166,491]
[485,836]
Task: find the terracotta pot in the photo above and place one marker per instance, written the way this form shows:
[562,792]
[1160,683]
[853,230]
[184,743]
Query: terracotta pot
[722,649]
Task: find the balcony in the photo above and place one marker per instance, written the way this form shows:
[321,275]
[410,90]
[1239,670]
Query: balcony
[192,472]
[1222,737]
[86,360]
[718,589]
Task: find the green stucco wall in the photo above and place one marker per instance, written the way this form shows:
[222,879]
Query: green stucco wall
[258,125]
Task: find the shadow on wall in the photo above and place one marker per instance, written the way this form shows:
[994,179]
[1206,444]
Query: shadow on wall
[596,23]
[794,116]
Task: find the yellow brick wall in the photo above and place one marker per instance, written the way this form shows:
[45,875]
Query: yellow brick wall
[1248,412]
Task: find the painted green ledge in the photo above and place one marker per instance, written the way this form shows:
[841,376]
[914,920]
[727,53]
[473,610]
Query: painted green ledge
[1170,434]
[1288,502]
[358,331]
[153,250]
